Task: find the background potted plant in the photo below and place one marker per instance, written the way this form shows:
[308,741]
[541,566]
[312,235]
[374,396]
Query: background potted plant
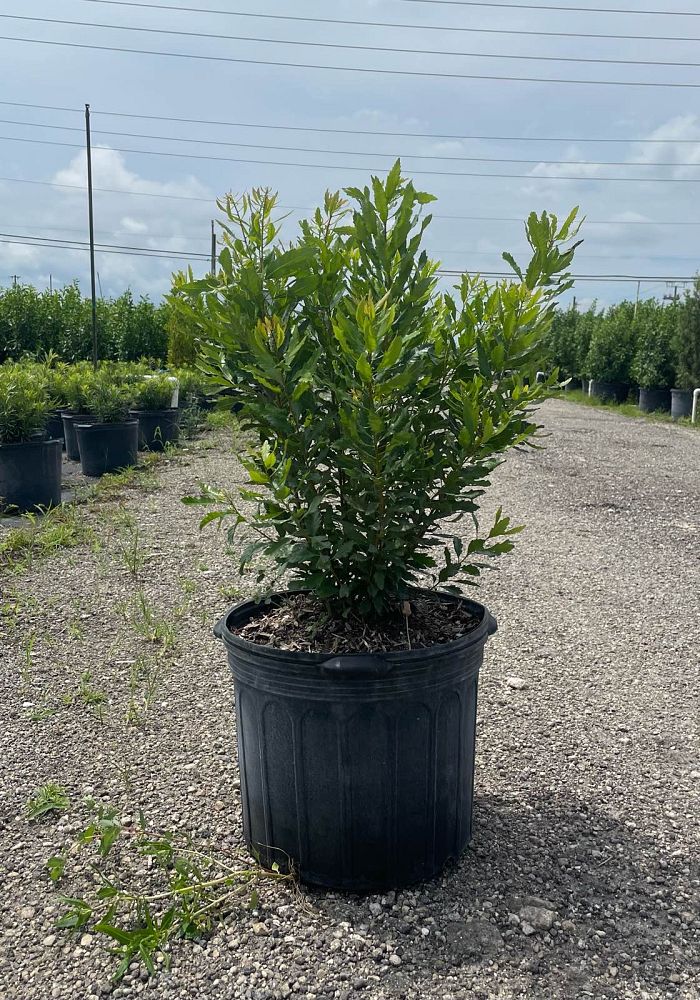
[30,465]
[111,443]
[653,367]
[76,390]
[686,343]
[159,422]
[380,405]
[610,353]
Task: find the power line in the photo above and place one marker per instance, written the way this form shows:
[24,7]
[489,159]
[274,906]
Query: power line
[345,45]
[541,6]
[390,24]
[106,248]
[665,84]
[307,149]
[81,244]
[342,166]
[343,131]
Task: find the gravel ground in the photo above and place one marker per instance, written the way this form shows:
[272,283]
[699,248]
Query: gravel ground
[582,878]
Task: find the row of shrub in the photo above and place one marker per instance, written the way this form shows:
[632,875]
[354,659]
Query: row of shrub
[647,343]
[35,322]
[30,391]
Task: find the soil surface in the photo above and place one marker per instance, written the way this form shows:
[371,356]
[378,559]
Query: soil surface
[300,623]
[582,877]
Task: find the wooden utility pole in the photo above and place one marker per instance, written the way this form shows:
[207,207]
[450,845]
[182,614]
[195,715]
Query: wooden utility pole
[213,248]
[15,279]
[92,236]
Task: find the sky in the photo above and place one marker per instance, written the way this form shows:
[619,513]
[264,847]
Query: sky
[645,223]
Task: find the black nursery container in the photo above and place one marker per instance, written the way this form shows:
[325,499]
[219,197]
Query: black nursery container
[30,475]
[609,392]
[70,420]
[654,400]
[54,427]
[157,428]
[358,770]
[681,403]
[107,447]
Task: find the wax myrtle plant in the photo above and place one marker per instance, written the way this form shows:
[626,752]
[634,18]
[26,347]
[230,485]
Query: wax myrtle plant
[379,403]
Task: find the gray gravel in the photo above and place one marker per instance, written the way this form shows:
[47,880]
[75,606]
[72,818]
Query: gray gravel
[582,877]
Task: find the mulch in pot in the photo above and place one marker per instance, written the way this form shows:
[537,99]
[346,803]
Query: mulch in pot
[302,623]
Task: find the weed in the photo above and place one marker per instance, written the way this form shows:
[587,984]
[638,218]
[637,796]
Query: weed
[146,623]
[129,547]
[40,713]
[182,889]
[231,592]
[146,675]
[27,667]
[75,629]
[187,586]
[90,696]
[42,535]
[50,798]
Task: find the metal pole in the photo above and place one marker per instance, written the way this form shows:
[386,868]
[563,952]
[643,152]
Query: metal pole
[50,285]
[92,236]
[15,279]
[213,248]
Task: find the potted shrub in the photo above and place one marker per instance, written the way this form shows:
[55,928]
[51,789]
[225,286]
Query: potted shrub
[686,345]
[111,442]
[77,389]
[653,364]
[55,374]
[380,406]
[159,422]
[610,353]
[30,465]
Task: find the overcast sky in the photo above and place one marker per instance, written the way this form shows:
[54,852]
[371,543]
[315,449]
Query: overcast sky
[473,215]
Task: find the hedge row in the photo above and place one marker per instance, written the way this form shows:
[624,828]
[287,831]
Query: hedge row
[648,343]
[38,322]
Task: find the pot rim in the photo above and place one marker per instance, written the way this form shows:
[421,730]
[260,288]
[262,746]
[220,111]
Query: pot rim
[108,423]
[487,626]
[31,443]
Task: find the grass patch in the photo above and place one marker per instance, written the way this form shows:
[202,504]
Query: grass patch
[625,409]
[41,535]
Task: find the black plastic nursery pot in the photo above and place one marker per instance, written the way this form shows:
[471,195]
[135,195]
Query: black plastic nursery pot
[70,419]
[681,403]
[54,427]
[356,771]
[653,400]
[30,475]
[609,392]
[157,427]
[107,447]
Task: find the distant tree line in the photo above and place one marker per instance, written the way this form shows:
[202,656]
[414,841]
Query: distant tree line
[648,343]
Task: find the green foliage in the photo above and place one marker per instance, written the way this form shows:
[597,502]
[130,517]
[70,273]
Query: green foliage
[653,366]
[560,343]
[613,344]
[33,322]
[50,798]
[24,404]
[182,335]
[686,340]
[109,400]
[154,393]
[151,888]
[38,536]
[379,404]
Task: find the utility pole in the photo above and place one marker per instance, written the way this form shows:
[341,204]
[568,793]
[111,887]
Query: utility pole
[92,236]
[15,279]
[213,248]
[50,284]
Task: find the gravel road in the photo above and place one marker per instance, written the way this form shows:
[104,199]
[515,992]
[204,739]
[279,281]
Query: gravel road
[582,877]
